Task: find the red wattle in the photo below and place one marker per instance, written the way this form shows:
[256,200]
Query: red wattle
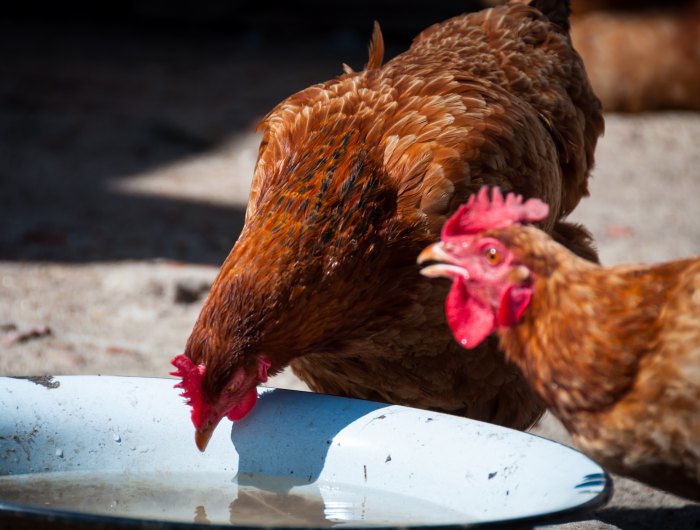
[244,407]
[513,303]
[470,321]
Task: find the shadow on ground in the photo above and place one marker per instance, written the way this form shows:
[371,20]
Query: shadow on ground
[684,517]
[88,100]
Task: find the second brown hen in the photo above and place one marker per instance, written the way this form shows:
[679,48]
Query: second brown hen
[613,352]
[354,177]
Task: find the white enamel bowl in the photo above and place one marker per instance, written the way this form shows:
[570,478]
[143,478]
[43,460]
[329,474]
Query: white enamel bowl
[469,473]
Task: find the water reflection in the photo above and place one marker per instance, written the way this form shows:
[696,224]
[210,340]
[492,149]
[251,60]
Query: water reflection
[278,508]
[200,515]
[211,498]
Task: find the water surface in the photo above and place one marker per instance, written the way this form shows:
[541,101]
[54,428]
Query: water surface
[221,498]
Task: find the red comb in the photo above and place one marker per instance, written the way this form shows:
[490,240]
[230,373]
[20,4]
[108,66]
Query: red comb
[480,213]
[192,375]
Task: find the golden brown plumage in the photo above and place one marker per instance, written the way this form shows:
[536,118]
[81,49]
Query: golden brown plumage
[357,174]
[622,351]
[614,353]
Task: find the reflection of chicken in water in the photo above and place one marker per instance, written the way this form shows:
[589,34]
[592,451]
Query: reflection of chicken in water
[257,507]
[200,515]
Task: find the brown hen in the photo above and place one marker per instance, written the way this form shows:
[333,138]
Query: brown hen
[613,352]
[354,177]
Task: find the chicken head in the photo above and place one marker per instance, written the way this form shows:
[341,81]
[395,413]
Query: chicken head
[490,287]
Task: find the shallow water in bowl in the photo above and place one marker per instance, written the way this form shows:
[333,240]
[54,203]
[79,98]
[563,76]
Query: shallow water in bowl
[252,500]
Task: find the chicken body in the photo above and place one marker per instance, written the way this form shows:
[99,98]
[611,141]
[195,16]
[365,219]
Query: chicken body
[615,354]
[356,175]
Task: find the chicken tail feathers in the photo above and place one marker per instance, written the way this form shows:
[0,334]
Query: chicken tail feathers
[557,11]
[376,48]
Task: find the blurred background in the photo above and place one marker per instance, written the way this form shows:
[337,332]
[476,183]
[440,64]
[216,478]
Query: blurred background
[127,144]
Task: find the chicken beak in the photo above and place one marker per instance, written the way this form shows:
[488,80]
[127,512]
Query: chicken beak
[202,437]
[446,266]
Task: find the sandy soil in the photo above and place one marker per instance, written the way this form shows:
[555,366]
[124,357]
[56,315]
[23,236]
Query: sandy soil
[125,174]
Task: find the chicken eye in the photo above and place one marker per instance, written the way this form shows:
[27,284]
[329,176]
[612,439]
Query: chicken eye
[492,255]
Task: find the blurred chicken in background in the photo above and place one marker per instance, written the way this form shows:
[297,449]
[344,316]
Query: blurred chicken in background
[639,55]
